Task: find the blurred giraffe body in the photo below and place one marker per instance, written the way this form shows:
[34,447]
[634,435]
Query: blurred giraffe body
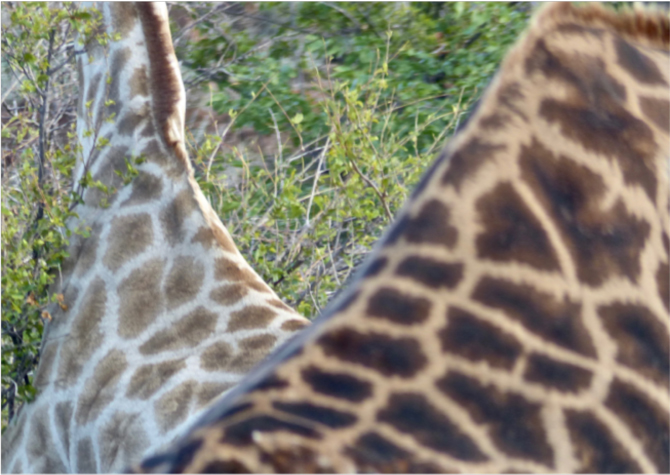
[161,313]
[515,317]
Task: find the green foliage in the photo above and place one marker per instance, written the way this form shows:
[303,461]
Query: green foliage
[440,54]
[365,93]
[36,180]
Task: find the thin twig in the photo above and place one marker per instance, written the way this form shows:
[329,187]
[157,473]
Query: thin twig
[316,179]
[371,184]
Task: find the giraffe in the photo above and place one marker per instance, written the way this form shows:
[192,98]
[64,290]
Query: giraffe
[515,316]
[161,313]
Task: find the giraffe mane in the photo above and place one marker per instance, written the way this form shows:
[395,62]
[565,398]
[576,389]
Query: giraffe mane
[165,79]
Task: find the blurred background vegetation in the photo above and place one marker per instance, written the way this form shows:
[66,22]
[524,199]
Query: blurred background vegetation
[308,126]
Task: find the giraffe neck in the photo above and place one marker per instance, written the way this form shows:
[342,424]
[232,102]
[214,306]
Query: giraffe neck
[161,313]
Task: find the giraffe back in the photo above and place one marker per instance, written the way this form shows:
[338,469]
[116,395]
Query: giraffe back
[159,313]
[515,316]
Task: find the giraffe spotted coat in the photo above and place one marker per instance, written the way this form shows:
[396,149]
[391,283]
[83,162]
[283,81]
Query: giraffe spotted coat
[161,313]
[515,316]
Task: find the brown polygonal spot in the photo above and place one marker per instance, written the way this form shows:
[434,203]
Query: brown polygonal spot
[208,391]
[390,304]
[146,187]
[174,214]
[511,233]
[337,385]
[514,423]
[85,336]
[637,64]
[509,97]
[149,378]
[129,237]
[231,271]
[229,294]
[294,325]
[430,226]
[602,242]
[185,333]
[100,389]
[656,110]
[152,151]
[476,340]
[184,281]
[559,321]
[213,236]
[139,82]
[376,267]
[641,339]
[389,356]
[250,317]
[216,357]
[140,299]
[252,350]
[494,121]
[555,374]
[431,272]
[596,449]
[173,407]
[124,17]
[468,159]
[413,414]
